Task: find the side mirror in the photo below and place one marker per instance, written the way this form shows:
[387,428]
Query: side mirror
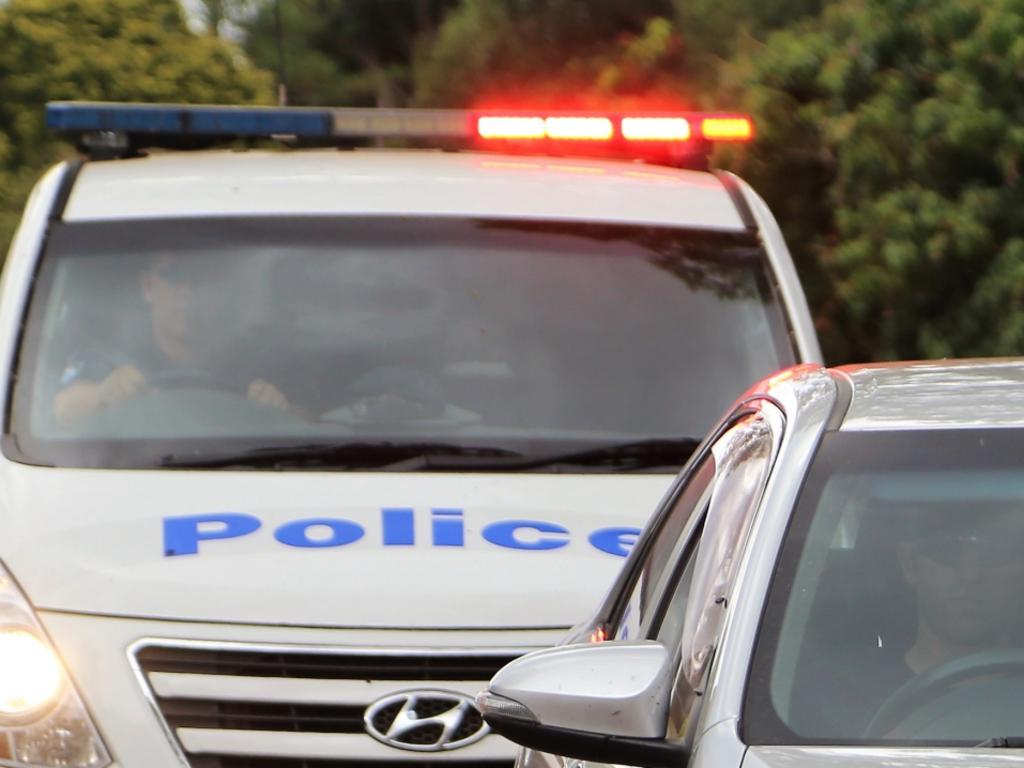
[606,702]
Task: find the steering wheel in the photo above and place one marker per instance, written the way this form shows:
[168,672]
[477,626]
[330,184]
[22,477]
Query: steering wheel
[190,378]
[395,393]
[928,685]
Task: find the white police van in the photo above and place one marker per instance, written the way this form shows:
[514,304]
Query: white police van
[302,445]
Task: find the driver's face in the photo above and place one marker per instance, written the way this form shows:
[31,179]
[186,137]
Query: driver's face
[170,289]
[967,581]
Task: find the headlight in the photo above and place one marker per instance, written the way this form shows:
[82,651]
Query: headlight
[43,722]
[31,678]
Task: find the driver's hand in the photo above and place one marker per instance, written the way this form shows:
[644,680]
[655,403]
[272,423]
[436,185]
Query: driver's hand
[265,393]
[122,383]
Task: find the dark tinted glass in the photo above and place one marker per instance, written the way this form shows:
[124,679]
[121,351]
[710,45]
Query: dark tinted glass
[897,615]
[643,596]
[501,337]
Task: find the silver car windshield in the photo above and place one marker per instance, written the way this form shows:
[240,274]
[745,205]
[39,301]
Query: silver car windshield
[896,613]
[339,342]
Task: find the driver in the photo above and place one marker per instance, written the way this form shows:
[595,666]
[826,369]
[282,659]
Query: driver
[964,566]
[953,592]
[965,571]
[178,340]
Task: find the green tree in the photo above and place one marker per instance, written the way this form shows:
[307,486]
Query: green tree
[591,52]
[342,52]
[712,30]
[117,50]
[571,53]
[890,145]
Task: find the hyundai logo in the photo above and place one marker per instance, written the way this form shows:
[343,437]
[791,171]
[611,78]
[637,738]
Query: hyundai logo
[425,721]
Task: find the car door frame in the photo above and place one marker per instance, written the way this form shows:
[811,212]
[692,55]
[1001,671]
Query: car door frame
[599,626]
[816,405]
[687,545]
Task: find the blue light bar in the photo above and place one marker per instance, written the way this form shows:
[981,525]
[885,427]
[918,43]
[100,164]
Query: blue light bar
[182,121]
[168,119]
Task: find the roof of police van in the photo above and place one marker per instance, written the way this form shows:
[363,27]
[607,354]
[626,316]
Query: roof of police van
[935,394]
[398,182]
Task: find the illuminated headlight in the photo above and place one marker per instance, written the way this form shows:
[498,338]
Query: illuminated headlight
[42,720]
[30,676]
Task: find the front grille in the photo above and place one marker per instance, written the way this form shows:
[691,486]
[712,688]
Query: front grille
[257,716]
[273,707]
[324,666]
[276,762]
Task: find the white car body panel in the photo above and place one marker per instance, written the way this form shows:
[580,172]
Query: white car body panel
[83,544]
[399,184]
[789,283]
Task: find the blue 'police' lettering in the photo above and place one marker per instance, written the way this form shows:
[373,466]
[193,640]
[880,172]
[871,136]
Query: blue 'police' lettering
[183,534]
[447,528]
[503,534]
[296,534]
[614,541]
[397,527]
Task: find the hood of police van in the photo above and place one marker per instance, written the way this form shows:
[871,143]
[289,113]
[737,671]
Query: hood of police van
[877,757]
[321,549]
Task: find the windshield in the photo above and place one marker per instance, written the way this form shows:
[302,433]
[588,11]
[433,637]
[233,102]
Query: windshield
[896,613]
[299,341]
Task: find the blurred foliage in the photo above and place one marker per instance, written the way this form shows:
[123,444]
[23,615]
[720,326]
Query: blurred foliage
[890,146]
[116,50]
[342,52]
[590,52]
[570,53]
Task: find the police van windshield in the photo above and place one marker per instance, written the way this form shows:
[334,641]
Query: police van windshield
[387,343]
[896,615]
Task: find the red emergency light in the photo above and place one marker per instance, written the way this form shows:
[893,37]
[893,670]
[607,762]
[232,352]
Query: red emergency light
[655,129]
[666,128]
[578,128]
[498,127]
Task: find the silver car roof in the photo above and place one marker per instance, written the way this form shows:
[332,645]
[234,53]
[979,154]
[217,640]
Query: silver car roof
[935,394]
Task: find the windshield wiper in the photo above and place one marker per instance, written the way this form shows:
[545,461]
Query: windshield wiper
[438,456]
[346,455]
[639,454]
[636,455]
[1002,742]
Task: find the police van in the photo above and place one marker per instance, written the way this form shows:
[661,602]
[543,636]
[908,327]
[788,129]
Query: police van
[303,442]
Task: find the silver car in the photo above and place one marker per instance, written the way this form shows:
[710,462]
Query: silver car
[834,579]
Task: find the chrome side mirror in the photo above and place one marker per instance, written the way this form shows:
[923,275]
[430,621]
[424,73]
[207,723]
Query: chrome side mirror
[606,702]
